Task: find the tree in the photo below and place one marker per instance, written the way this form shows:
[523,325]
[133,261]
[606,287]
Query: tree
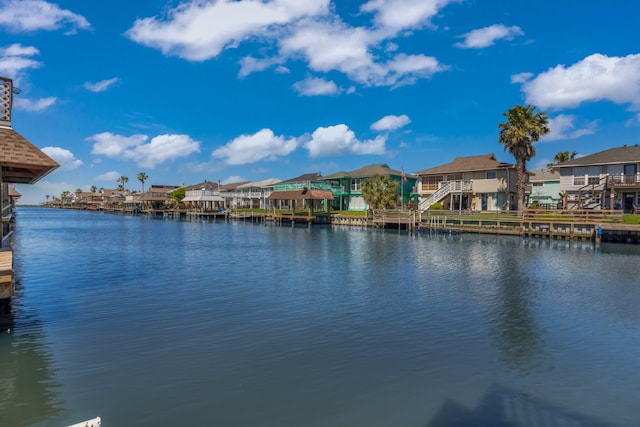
[122,180]
[142,177]
[380,192]
[47,197]
[523,127]
[561,157]
[178,194]
[93,188]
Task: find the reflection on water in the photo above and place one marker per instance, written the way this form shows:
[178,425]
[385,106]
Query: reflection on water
[168,323]
[502,407]
[27,385]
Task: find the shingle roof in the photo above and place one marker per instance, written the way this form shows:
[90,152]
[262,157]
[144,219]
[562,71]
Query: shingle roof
[543,175]
[306,177]
[366,171]
[467,164]
[617,155]
[22,162]
[301,195]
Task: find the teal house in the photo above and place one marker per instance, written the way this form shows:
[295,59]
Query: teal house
[347,186]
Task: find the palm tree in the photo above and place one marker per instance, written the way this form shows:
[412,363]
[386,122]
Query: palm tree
[142,177]
[93,188]
[523,127]
[561,157]
[123,180]
[380,192]
[47,197]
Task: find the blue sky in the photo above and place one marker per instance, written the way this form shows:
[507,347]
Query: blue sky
[252,89]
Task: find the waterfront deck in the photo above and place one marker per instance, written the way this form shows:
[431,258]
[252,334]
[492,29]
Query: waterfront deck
[6,274]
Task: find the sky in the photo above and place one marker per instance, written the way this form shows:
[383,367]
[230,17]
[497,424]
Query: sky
[245,90]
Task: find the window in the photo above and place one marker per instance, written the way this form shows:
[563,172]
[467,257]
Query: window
[355,184]
[431,182]
[578,176]
[537,184]
[492,175]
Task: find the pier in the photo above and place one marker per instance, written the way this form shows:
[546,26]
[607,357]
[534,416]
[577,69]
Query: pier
[6,273]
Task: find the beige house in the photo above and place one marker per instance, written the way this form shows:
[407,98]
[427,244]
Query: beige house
[479,183]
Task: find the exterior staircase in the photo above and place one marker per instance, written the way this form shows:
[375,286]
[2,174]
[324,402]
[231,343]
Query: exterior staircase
[440,194]
[590,196]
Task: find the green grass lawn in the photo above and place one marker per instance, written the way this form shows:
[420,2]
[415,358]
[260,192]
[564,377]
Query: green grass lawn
[631,219]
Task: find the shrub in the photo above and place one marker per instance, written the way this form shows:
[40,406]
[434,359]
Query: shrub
[436,207]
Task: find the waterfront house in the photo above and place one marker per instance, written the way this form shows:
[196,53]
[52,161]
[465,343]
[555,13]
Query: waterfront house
[308,191]
[205,195]
[347,186]
[157,197]
[543,190]
[479,183]
[21,162]
[608,179]
[256,194]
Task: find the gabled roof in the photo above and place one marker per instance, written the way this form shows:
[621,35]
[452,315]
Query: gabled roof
[21,161]
[259,184]
[306,177]
[232,186]
[543,175]
[303,194]
[618,155]
[367,171]
[207,185]
[468,164]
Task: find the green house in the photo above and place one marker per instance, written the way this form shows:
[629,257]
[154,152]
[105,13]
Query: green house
[347,186]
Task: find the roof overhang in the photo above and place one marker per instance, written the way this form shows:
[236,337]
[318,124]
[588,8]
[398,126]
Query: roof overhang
[21,162]
[302,195]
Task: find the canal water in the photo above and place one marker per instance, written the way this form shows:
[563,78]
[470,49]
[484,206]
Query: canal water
[152,322]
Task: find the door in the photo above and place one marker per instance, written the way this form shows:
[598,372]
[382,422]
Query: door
[628,202]
[630,174]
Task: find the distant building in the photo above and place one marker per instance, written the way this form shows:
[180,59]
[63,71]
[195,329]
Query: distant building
[347,186]
[608,179]
[479,183]
[544,189]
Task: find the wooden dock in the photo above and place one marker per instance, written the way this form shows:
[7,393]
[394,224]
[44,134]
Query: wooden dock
[7,287]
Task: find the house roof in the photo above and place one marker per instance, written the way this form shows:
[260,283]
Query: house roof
[301,195]
[259,184]
[617,155]
[367,171]
[544,175]
[207,185]
[21,161]
[468,164]
[306,177]
[232,186]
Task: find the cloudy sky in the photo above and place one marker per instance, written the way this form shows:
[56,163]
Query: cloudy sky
[244,90]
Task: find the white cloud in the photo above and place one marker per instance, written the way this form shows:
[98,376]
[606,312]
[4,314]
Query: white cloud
[233,179]
[338,140]
[26,104]
[562,127]
[109,176]
[403,14]
[597,77]
[521,77]
[102,85]
[309,30]
[313,86]
[199,30]
[64,157]
[334,46]
[14,61]
[485,37]
[160,149]
[114,146]
[33,15]
[262,145]
[391,123]
[634,121]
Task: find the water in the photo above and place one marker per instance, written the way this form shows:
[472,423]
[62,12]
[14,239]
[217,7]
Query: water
[164,323]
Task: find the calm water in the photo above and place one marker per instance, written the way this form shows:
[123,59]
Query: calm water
[163,323]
